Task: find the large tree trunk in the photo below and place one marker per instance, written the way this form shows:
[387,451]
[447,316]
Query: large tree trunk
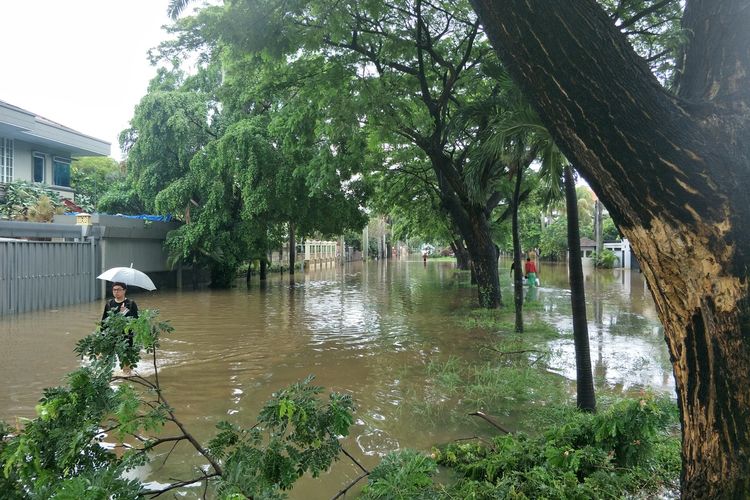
[483,254]
[263,269]
[584,377]
[517,261]
[472,220]
[673,172]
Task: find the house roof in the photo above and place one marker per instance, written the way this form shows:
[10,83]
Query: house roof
[587,242]
[18,123]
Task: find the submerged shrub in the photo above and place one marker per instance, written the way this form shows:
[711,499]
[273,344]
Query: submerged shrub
[626,449]
[402,475]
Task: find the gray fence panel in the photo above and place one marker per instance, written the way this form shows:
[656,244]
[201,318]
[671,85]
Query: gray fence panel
[44,275]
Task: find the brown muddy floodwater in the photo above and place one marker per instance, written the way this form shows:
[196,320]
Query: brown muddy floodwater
[366,329]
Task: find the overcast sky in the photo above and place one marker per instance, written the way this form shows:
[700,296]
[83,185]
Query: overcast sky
[81,63]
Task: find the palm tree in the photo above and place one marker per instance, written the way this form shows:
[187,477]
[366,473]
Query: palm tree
[554,169]
[175,8]
[518,137]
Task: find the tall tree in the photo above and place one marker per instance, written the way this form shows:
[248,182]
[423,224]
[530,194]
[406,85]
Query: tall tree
[673,170]
[409,66]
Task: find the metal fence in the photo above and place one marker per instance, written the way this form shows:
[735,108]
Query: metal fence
[41,274]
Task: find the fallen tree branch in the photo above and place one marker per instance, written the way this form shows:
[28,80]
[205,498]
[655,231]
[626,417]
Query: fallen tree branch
[356,462]
[179,484]
[524,351]
[490,420]
[364,474]
[350,485]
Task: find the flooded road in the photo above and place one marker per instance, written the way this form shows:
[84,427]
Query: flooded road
[366,329]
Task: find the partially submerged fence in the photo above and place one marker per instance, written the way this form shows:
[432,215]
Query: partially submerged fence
[42,275]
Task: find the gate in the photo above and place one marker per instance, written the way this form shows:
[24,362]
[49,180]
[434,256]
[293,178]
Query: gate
[42,275]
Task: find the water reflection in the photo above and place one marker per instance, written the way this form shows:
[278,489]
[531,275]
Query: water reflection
[626,338]
[369,330]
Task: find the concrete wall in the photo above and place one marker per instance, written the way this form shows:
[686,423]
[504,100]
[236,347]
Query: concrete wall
[125,241]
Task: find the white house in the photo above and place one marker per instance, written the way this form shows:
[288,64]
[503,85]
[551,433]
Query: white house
[621,249]
[36,149]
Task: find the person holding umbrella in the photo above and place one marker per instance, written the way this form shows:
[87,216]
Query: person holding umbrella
[119,303]
[121,277]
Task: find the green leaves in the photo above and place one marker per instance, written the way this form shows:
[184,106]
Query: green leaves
[25,200]
[296,433]
[588,456]
[402,475]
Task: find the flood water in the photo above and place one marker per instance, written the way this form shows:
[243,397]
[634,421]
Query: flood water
[366,329]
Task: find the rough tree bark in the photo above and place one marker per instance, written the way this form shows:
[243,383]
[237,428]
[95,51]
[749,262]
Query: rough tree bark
[674,171]
[472,220]
[585,397]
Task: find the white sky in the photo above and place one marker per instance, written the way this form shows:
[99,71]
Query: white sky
[81,63]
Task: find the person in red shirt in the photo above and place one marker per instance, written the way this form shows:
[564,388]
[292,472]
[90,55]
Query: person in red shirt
[530,269]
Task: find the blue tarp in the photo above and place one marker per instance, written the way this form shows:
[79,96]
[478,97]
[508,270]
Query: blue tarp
[152,218]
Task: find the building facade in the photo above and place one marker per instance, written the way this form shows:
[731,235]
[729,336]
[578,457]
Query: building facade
[36,149]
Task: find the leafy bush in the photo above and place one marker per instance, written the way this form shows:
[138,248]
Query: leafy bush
[554,240]
[626,449]
[29,201]
[92,176]
[296,433]
[401,475]
[606,259]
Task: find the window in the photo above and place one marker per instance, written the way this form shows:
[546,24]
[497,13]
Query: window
[61,171]
[6,160]
[40,162]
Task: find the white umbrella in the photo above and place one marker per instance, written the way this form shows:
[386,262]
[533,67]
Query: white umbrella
[129,276]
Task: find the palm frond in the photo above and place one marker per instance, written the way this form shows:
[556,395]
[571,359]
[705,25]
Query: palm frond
[175,8]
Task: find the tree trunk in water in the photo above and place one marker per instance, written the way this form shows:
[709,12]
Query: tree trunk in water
[292,248]
[586,400]
[263,269]
[487,278]
[673,172]
[472,220]
[517,261]
[483,255]
[463,261]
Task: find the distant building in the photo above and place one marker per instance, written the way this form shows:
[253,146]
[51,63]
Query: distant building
[621,249]
[36,149]
[588,248]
